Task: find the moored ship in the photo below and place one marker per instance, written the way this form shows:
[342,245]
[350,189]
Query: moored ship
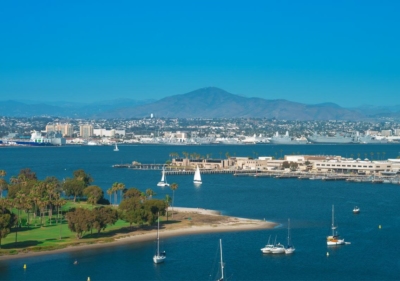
[337,138]
[286,139]
[52,139]
[369,139]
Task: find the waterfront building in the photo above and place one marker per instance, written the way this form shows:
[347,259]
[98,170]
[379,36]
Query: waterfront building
[351,166]
[386,133]
[108,133]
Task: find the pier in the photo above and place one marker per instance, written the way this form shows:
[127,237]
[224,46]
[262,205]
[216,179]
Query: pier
[278,174]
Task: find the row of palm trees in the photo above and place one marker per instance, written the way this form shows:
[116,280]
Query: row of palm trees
[114,189]
[34,197]
[119,187]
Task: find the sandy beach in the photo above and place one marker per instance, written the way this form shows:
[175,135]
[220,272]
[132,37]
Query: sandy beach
[191,221]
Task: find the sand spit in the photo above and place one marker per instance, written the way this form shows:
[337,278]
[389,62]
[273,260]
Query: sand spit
[185,221]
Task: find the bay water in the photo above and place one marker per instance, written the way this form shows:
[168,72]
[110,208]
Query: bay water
[374,233]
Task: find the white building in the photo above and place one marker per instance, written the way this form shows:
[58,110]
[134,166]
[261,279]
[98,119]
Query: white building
[108,133]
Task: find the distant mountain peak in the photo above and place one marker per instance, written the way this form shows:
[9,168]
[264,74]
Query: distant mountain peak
[206,102]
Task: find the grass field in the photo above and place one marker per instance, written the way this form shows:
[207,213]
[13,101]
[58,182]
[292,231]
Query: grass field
[54,235]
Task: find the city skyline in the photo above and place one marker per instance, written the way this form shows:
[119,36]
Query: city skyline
[343,52]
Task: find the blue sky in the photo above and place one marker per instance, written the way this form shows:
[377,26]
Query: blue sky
[346,52]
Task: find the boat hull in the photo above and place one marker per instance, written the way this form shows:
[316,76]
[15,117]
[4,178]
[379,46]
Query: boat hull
[334,242]
[289,250]
[159,259]
[278,250]
[267,249]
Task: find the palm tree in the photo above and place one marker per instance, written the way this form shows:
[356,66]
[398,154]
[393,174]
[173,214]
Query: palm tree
[3,182]
[59,202]
[120,188]
[150,193]
[117,186]
[110,192]
[173,187]
[168,201]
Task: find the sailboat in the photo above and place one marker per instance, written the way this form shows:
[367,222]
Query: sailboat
[267,249]
[334,239]
[222,262]
[197,176]
[116,147]
[159,257]
[163,181]
[277,248]
[289,248]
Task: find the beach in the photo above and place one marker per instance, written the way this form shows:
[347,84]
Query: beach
[185,221]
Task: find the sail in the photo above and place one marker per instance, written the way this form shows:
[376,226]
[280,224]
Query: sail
[163,181]
[197,176]
[163,176]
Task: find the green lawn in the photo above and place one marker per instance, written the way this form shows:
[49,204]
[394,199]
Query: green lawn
[47,237]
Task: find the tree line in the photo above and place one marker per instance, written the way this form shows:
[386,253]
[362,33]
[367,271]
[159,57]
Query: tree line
[37,199]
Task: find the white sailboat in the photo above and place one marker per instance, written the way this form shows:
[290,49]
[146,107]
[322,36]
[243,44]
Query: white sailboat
[197,176]
[277,248]
[116,147]
[356,210]
[159,257]
[334,239]
[163,181]
[267,249]
[222,262]
[289,248]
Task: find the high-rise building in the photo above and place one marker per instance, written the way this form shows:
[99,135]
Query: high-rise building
[386,133]
[65,129]
[85,131]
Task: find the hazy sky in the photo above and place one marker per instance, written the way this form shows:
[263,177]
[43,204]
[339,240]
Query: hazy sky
[346,52]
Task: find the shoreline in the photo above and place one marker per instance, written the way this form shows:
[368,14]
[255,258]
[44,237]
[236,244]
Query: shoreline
[204,221]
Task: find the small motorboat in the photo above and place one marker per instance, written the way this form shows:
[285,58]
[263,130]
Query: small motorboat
[356,210]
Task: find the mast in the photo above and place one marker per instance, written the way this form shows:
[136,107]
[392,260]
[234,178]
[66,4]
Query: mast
[288,233]
[158,238]
[222,263]
[333,218]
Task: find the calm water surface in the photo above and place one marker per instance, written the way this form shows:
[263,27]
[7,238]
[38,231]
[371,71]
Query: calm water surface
[372,255]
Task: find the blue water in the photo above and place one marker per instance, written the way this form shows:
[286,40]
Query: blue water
[372,255]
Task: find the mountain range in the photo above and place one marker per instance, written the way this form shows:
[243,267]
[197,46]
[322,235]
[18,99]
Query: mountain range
[209,102]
